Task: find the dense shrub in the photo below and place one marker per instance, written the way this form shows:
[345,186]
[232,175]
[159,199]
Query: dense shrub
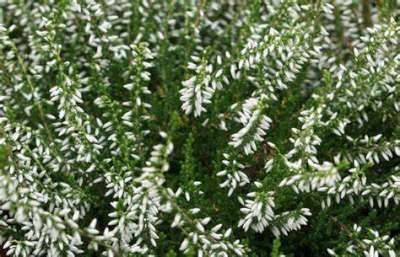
[199,128]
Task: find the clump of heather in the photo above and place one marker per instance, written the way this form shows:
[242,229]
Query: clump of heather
[199,128]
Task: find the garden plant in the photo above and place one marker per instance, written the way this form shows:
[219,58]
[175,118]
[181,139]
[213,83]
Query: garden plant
[199,128]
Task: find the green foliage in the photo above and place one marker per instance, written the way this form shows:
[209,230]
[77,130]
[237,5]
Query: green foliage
[197,128]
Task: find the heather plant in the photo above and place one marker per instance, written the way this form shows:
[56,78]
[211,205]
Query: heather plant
[199,128]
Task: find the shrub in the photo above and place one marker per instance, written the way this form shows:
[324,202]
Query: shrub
[199,128]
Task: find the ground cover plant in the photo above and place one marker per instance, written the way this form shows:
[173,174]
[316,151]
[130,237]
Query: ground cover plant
[199,128]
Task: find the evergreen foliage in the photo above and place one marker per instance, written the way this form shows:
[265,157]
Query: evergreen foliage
[199,128]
